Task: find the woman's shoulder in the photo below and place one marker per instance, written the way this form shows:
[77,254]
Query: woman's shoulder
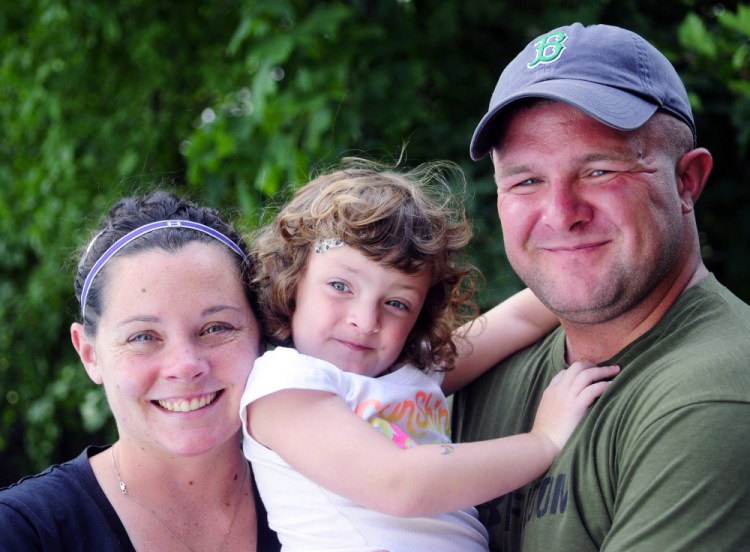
[56,478]
[63,502]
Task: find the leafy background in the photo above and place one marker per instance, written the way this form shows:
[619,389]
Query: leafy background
[237,102]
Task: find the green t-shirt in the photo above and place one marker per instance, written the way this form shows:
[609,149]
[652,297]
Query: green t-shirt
[660,462]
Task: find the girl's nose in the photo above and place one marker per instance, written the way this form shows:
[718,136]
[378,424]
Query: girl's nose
[365,317]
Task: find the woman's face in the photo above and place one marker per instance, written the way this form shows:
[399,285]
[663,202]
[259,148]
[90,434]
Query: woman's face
[175,344]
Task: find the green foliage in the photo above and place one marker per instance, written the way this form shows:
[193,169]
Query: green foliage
[238,102]
[716,54]
[721,54]
[94,101]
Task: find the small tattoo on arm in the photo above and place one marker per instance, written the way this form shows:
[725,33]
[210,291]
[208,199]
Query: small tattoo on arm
[447,449]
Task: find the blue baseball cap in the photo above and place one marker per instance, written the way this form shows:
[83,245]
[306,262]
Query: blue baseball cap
[609,73]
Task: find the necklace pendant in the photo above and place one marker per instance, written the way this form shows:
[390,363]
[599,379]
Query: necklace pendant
[123,488]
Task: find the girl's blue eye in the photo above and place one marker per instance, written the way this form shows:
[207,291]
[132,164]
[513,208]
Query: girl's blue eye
[339,286]
[398,304]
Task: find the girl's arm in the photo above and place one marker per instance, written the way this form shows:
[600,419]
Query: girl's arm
[319,436]
[512,325]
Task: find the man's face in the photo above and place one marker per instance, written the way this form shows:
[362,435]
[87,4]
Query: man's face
[591,216]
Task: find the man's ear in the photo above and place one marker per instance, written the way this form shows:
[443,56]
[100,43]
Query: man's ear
[693,169]
[85,349]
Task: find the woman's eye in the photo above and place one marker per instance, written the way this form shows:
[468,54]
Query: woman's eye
[339,286]
[141,338]
[214,328]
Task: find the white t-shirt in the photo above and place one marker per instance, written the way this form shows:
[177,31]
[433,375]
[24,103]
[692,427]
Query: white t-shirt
[408,407]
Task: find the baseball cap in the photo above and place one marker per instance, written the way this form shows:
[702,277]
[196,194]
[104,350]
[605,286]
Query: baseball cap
[609,73]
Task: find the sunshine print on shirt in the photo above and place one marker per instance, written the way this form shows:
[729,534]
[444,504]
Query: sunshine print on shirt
[425,418]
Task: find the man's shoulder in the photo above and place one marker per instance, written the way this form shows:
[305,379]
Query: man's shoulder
[709,296]
[707,322]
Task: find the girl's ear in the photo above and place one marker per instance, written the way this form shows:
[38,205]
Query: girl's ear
[85,349]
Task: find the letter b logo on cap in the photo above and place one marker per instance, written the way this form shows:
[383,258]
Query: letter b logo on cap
[548,48]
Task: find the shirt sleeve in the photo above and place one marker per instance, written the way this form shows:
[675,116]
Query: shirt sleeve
[16,531]
[285,368]
[683,484]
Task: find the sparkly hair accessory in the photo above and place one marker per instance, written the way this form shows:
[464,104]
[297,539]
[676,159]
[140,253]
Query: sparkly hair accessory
[137,233]
[327,243]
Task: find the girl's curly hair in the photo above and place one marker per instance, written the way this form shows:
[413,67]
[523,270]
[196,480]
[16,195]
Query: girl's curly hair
[405,220]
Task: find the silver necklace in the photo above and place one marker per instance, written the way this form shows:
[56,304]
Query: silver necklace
[124,490]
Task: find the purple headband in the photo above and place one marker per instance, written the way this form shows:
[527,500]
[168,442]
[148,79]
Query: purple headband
[145,229]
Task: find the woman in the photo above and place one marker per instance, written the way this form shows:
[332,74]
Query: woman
[168,328]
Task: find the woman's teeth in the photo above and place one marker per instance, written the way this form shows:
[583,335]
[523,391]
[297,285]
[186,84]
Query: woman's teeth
[184,405]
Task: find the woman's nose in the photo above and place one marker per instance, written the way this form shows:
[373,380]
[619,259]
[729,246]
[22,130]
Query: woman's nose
[186,363]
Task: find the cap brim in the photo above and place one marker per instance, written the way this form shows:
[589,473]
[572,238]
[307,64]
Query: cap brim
[613,107]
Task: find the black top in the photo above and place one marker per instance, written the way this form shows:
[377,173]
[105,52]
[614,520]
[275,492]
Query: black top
[64,509]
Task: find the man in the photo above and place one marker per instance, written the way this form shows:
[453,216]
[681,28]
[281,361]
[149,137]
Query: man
[593,144]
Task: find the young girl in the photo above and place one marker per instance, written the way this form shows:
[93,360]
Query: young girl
[358,274]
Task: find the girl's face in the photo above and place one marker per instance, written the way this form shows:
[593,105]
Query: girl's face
[355,313]
[175,344]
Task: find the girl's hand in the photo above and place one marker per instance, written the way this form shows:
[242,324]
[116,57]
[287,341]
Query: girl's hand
[567,398]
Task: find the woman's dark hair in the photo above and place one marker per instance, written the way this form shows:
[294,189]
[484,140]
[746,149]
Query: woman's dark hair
[134,212]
